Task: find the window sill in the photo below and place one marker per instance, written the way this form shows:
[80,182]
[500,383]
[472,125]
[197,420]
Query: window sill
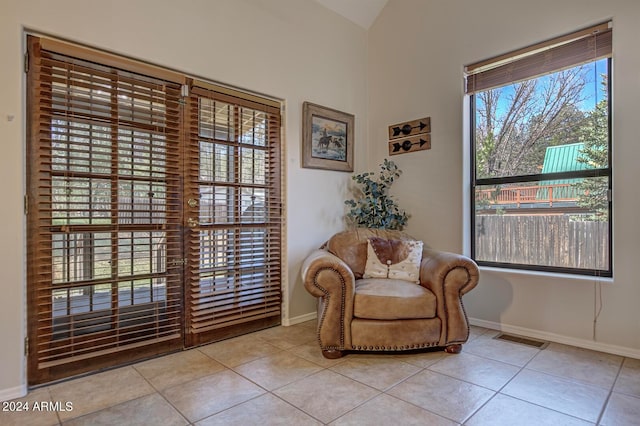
[541,274]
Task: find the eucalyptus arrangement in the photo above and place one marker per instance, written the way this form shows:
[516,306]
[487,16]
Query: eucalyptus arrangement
[373,207]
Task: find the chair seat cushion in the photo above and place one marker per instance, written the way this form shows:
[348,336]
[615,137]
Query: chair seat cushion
[389,299]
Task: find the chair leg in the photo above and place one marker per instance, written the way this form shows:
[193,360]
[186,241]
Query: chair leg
[332,353]
[453,349]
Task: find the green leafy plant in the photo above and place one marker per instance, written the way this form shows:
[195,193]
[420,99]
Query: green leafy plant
[373,207]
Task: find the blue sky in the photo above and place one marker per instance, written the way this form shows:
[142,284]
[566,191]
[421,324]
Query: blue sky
[592,92]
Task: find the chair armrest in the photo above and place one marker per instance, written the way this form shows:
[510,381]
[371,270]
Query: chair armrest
[326,276]
[437,265]
[318,283]
[449,276]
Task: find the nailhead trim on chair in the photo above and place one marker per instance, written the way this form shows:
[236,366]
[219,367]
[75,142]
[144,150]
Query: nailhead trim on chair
[464,312]
[396,348]
[342,305]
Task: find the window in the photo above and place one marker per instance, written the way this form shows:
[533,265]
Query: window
[541,156]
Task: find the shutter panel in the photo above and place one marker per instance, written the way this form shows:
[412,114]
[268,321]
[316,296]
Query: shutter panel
[104,221]
[234,238]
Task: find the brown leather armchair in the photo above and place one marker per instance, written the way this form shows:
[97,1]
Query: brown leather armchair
[383,314]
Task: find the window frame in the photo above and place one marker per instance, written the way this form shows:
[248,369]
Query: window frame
[587,173]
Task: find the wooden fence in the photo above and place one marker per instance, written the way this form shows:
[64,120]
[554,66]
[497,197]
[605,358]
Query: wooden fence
[549,240]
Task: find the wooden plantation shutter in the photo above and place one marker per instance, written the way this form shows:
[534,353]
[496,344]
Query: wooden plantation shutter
[104,221]
[234,213]
[154,214]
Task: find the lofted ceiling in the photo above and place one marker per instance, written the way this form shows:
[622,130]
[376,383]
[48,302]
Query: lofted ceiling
[362,12]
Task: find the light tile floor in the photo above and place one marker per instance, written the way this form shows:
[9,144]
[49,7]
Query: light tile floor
[279,377]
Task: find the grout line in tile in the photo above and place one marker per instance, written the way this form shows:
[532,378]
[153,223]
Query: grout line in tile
[358,406]
[297,408]
[48,388]
[286,384]
[613,385]
[471,383]
[480,408]
[552,375]
[504,362]
[243,363]
[415,405]
[499,391]
[174,407]
[248,379]
[486,330]
[160,391]
[566,379]
[546,408]
[161,394]
[128,401]
[228,408]
[436,372]
[574,380]
[146,380]
[424,409]
[378,390]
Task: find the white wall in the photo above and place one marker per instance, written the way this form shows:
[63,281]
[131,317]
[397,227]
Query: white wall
[417,50]
[295,50]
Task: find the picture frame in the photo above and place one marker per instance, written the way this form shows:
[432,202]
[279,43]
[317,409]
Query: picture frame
[327,138]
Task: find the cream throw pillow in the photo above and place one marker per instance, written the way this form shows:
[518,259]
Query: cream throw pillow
[395,259]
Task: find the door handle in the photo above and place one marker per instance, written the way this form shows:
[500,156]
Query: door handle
[177,262]
[193,223]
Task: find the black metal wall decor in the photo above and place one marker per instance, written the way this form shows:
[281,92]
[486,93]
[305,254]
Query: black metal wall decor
[410,136]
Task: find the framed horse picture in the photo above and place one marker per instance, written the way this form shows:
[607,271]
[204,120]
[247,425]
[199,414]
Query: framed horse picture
[327,138]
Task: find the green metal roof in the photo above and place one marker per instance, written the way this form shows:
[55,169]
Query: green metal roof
[563,158]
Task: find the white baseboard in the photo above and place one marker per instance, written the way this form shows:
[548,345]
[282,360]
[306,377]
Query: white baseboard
[558,338]
[297,320]
[13,393]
